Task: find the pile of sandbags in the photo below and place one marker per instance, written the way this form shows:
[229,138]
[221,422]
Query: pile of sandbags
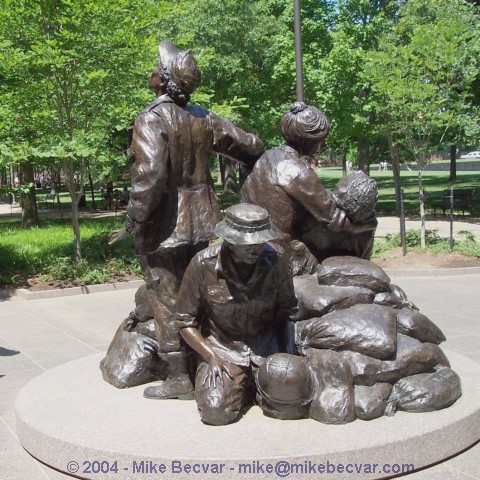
[367,329]
[384,352]
[132,358]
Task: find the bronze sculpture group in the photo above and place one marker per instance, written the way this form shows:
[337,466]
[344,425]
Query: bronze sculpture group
[286,311]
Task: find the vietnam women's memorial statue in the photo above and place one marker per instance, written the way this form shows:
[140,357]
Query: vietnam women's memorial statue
[364,350]
[284,333]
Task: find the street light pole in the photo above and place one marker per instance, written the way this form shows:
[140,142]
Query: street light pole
[298,50]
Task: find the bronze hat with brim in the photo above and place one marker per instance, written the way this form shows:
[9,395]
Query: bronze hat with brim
[246,224]
[180,66]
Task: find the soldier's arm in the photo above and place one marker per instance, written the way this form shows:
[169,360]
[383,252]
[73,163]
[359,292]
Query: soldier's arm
[189,309]
[307,191]
[234,142]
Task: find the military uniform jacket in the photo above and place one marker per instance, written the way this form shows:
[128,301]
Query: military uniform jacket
[285,185]
[172,194]
[242,322]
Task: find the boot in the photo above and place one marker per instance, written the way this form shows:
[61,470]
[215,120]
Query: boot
[177,384]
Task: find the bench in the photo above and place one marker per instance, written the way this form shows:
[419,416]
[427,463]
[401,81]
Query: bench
[463,199]
[48,200]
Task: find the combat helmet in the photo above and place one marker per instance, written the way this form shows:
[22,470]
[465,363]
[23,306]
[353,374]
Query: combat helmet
[285,380]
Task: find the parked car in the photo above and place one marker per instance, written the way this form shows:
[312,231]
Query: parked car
[471,155]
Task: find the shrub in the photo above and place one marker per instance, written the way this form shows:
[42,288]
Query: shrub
[47,251]
[434,243]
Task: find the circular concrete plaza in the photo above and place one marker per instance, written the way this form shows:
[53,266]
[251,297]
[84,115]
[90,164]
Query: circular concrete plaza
[73,421]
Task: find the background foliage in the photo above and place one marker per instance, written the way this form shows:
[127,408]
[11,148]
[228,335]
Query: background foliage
[399,78]
[74,74]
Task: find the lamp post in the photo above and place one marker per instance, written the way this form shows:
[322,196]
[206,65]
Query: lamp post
[298,50]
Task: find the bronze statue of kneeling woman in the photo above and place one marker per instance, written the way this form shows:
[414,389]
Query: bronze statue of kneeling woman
[234,306]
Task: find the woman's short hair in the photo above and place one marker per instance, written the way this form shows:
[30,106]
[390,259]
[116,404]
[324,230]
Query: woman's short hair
[304,122]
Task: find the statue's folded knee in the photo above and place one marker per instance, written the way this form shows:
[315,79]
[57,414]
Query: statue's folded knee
[219,405]
[216,413]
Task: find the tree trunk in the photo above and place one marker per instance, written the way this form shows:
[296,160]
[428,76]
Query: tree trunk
[28,199]
[3,177]
[363,159]
[453,163]
[344,161]
[396,172]
[422,205]
[77,250]
[90,182]
[75,188]
[57,188]
[243,172]
[229,176]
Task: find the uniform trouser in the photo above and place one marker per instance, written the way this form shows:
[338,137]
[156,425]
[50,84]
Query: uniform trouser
[224,404]
[163,272]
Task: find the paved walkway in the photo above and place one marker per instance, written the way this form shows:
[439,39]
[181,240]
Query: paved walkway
[386,225]
[38,335]
[14,211]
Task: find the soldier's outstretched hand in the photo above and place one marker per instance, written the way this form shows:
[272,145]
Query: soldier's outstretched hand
[117,236]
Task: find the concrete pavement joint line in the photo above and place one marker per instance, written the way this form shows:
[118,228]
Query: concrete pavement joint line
[433,272]
[88,313]
[32,459]
[24,354]
[462,472]
[40,465]
[87,331]
[72,337]
[14,433]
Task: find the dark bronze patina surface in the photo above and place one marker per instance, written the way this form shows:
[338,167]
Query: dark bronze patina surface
[287,311]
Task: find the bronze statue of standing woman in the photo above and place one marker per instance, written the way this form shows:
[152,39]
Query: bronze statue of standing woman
[173,208]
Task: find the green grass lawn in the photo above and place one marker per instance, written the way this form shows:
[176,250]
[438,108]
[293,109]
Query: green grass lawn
[434,184]
[48,250]
[66,201]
